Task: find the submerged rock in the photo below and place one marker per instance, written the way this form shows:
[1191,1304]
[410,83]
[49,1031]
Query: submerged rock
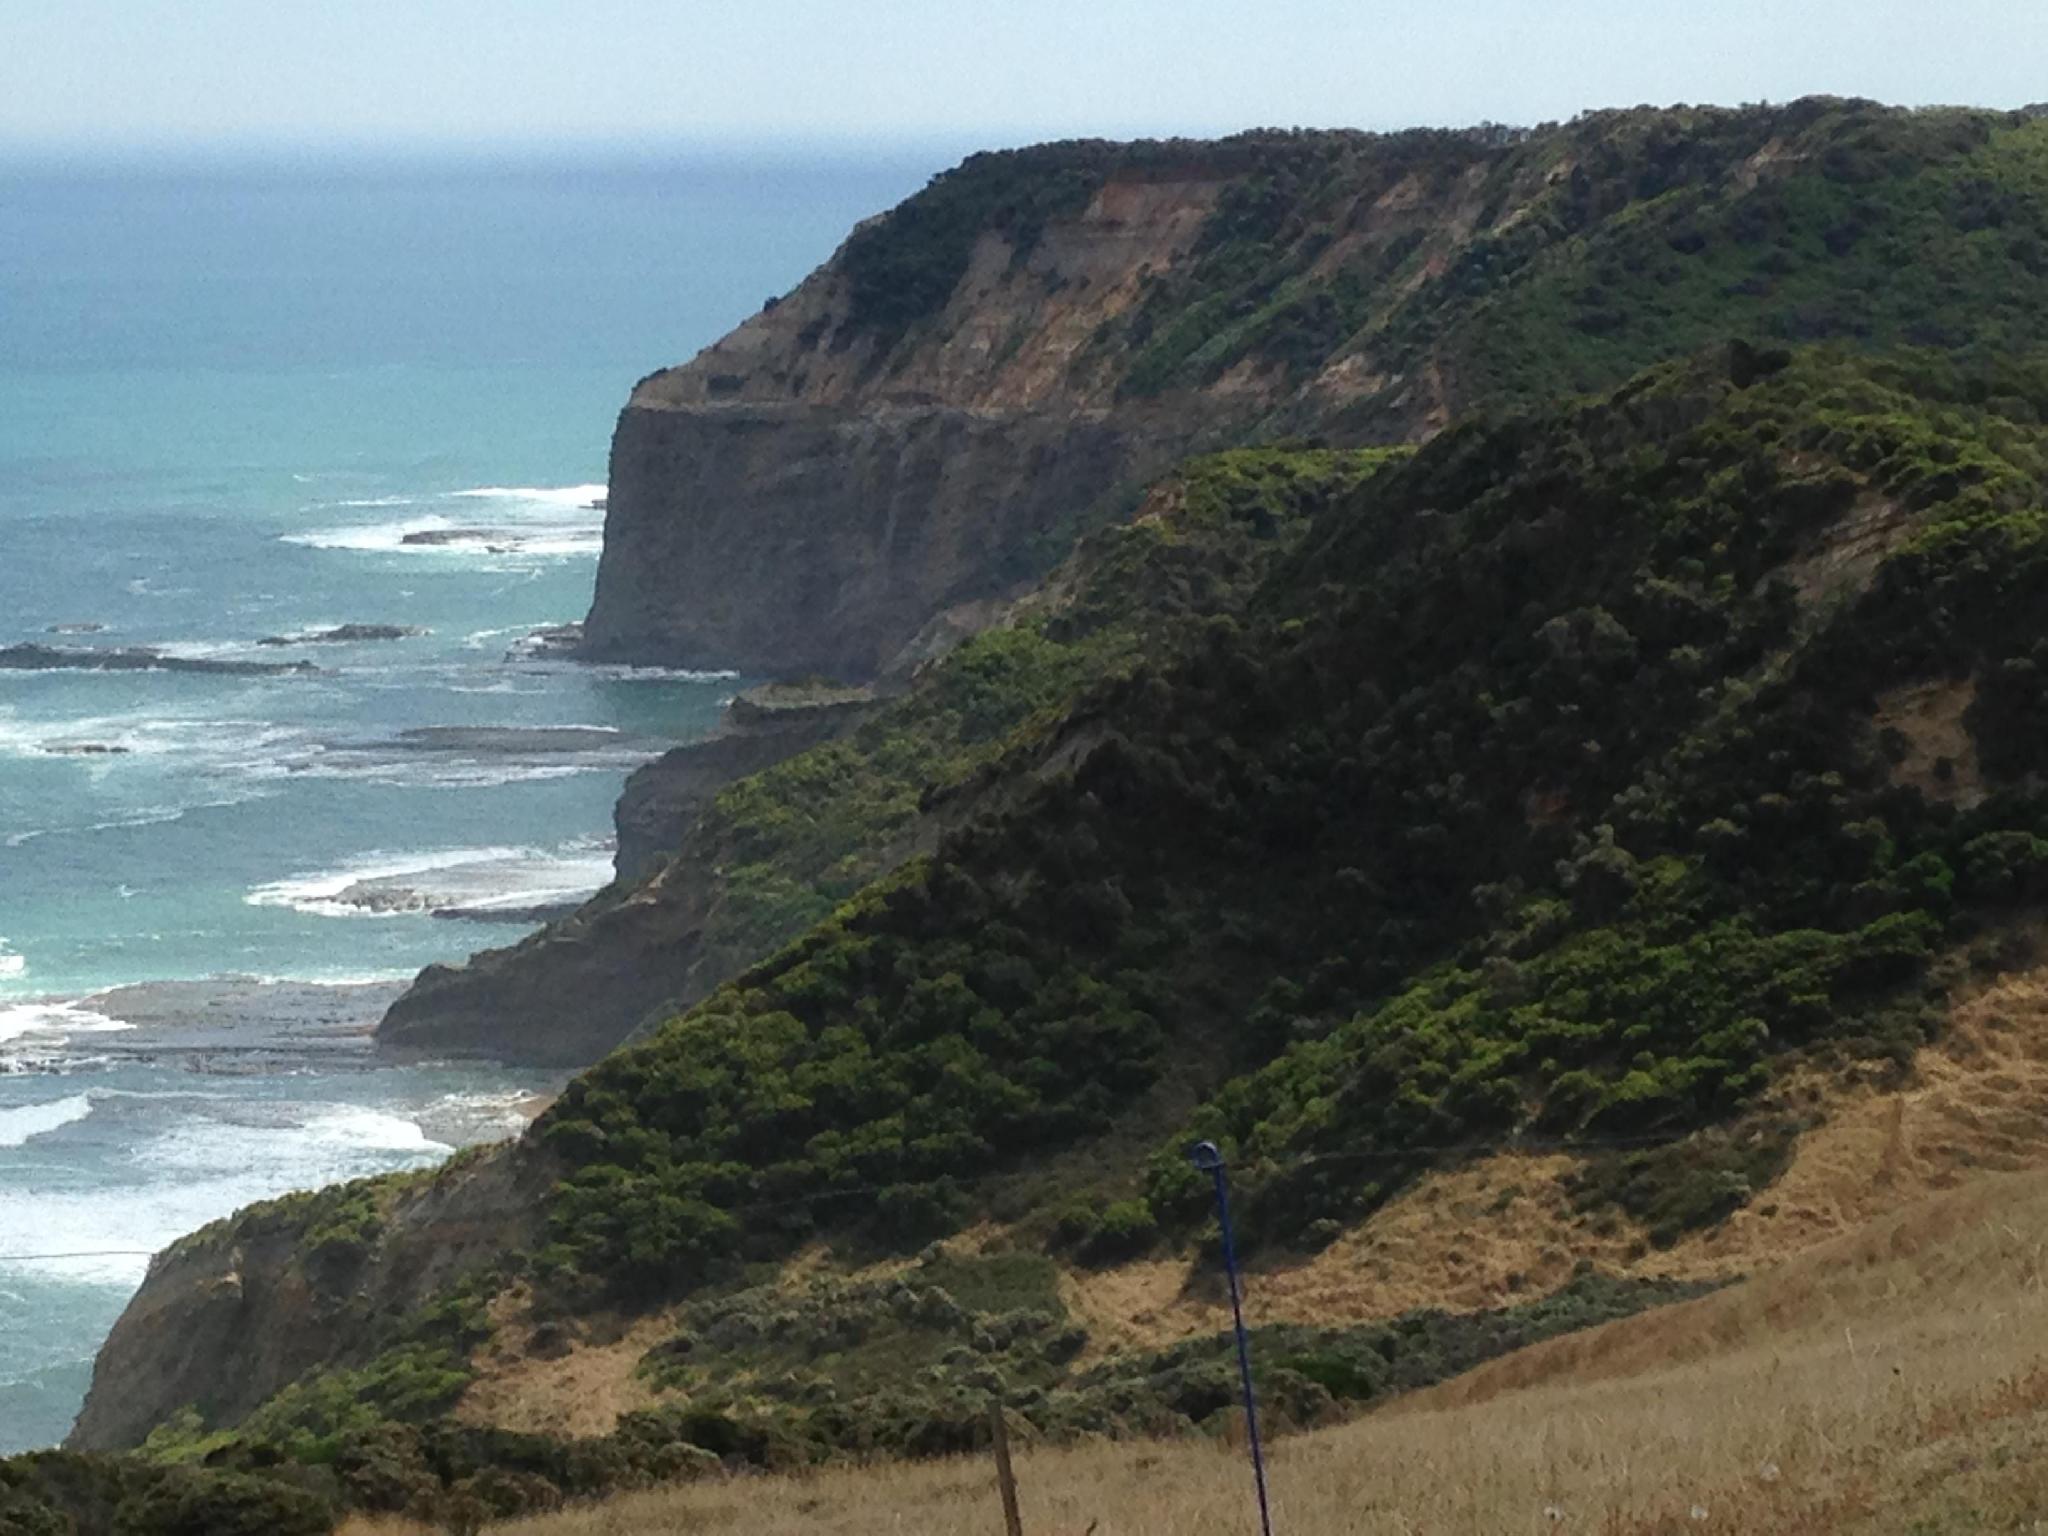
[514,740]
[347,634]
[51,658]
[428,538]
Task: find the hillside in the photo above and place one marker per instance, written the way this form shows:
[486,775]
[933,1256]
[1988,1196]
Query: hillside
[1564,790]
[1902,1365]
[755,858]
[996,366]
[1001,362]
[1567,865]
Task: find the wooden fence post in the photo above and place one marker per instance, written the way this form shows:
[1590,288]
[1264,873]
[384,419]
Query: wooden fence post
[999,1437]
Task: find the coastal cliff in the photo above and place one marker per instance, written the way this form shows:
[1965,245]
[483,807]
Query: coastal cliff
[232,1314]
[980,374]
[1552,786]
[879,464]
[809,492]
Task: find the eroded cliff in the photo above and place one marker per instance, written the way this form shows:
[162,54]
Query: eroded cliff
[809,492]
[231,1315]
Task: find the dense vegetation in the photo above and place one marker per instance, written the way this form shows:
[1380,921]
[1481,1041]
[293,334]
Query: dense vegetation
[1534,795]
[793,843]
[908,1365]
[1513,266]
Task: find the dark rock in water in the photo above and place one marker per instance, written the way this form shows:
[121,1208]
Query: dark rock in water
[347,634]
[84,749]
[380,898]
[51,658]
[428,538]
[512,740]
[87,628]
[242,1024]
[553,640]
[539,912]
[598,503]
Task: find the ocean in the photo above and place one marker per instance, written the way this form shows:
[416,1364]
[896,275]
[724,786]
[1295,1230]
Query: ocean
[241,404]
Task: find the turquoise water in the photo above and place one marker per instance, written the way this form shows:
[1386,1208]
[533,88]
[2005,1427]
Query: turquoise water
[228,398]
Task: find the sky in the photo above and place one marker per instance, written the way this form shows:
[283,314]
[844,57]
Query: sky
[177,75]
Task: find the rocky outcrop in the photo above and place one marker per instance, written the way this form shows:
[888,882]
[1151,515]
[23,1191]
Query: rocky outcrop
[569,993]
[762,727]
[231,1315]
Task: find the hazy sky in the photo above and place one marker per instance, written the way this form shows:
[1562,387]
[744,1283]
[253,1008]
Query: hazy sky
[176,73]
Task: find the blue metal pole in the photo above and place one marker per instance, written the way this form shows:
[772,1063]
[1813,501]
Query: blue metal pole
[1209,1158]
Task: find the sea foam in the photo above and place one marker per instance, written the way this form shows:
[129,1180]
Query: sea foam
[482,880]
[21,1125]
[494,521]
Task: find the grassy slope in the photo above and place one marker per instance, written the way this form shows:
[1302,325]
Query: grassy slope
[1895,1381]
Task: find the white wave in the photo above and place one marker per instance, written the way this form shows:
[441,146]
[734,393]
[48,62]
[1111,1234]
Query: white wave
[509,521]
[204,650]
[341,977]
[220,1159]
[152,734]
[374,538]
[478,640]
[581,497]
[11,964]
[19,1126]
[468,1114]
[472,879]
[621,672]
[420,771]
[52,1022]
[142,816]
[453,540]
[371,1130]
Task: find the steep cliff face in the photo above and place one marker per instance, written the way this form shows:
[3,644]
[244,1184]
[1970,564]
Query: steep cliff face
[808,493]
[237,1311]
[815,539]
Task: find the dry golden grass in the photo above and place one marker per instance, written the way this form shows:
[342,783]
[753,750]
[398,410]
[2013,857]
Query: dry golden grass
[1895,1380]
[1885,1369]
[1502,1228]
